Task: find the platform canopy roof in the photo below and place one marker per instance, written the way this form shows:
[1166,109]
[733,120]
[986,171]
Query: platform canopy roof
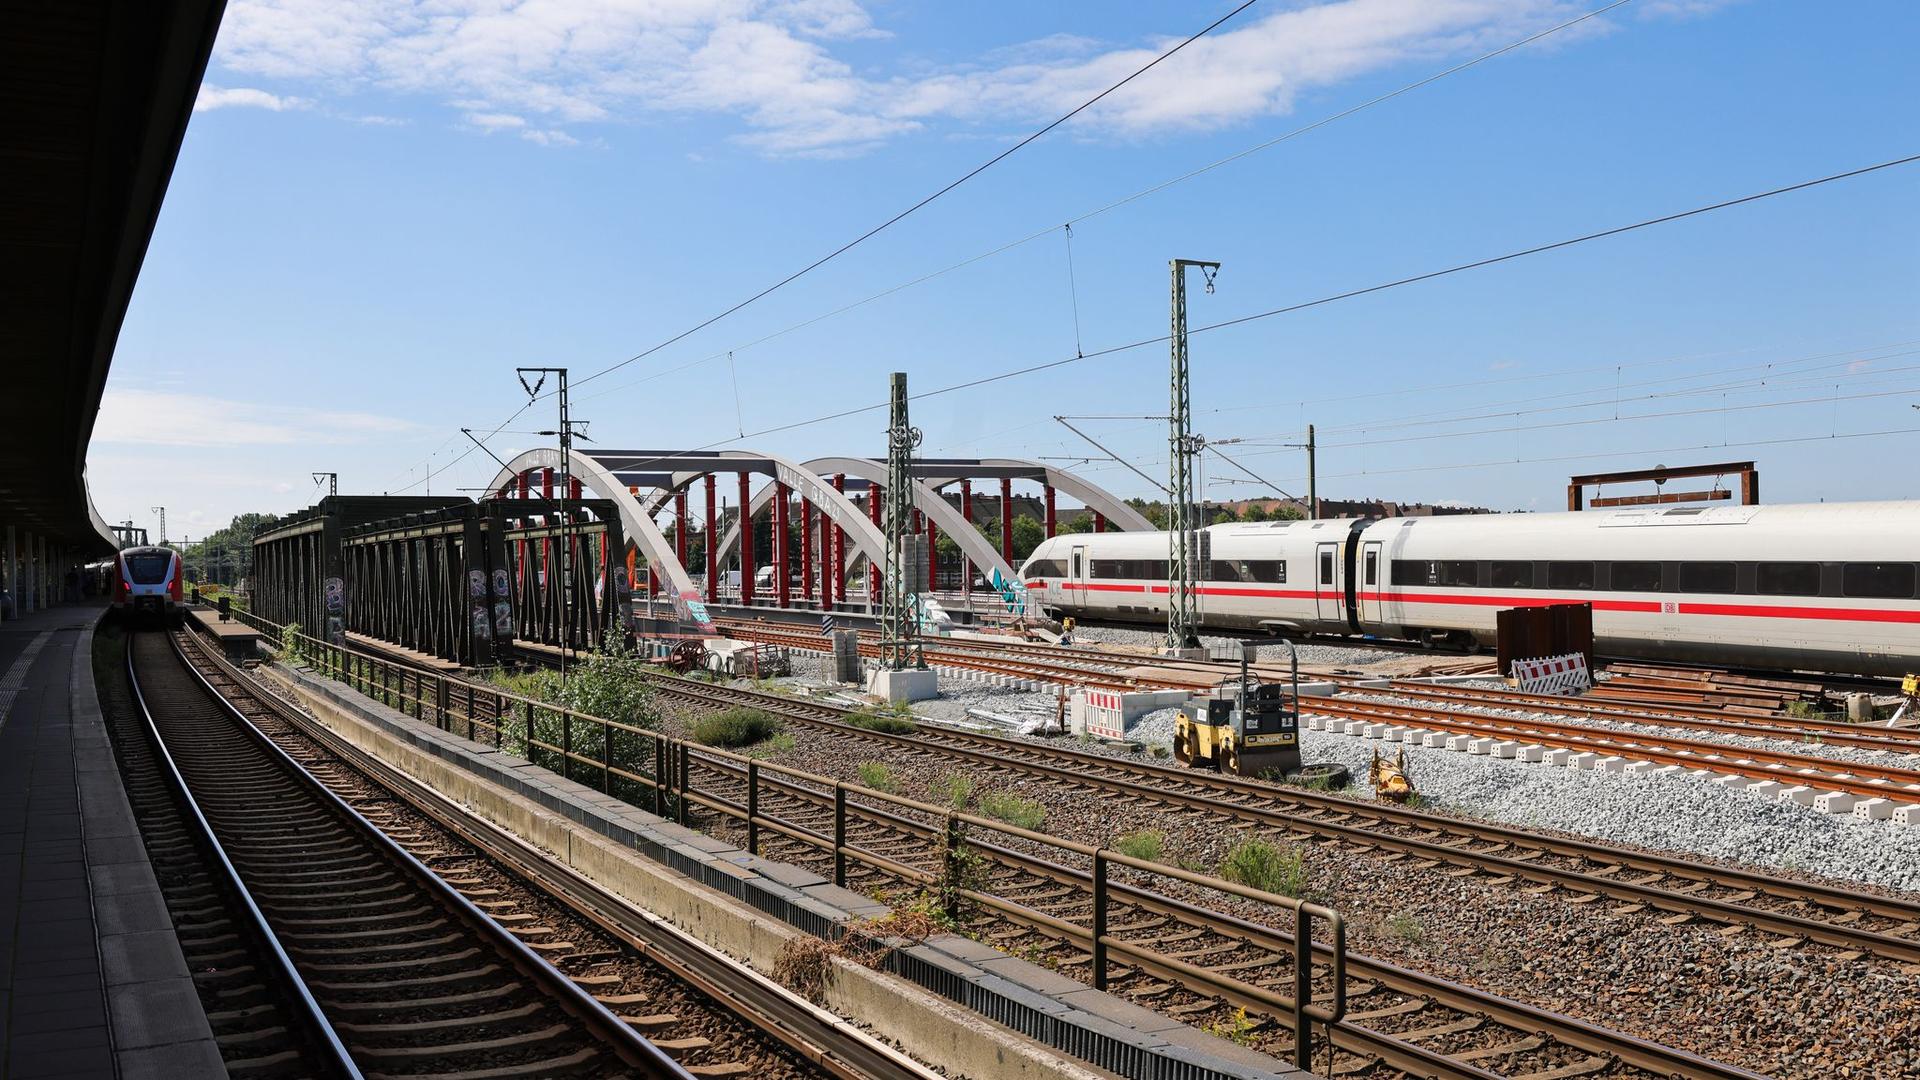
[94,103]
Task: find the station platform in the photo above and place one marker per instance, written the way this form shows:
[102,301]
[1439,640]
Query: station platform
[92,979]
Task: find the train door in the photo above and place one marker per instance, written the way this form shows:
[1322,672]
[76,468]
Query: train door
[1077,575]
[1368,594]
[1328,600]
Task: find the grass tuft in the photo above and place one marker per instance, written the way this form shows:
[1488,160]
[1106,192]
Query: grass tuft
[734,728]
[1145,844]
[886,723]
[1012,809]
[878,776]
[1258,864]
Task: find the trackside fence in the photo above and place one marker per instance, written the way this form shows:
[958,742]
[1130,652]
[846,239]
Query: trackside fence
[678,779]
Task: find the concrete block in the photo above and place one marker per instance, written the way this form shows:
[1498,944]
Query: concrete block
[1907,815]
[1732,782]
[1459,742]
[1505,749]
[1670,770]
[1835,802]
[1481,746]
[1530,752]
[1316,723]
[1873,809]
[1558,756]
[1356,727]
[910,685]
[1415,736]
[1766,789]
[1378,731]
[1643,768]
[1798,794]
[1435,739]
[1612,764]
[1584,760]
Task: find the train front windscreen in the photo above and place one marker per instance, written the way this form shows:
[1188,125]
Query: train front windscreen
[148,568]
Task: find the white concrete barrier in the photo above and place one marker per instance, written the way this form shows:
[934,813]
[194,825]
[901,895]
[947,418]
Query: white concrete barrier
[1558,756]
[1873,809]
[1835,802]
[1799,794]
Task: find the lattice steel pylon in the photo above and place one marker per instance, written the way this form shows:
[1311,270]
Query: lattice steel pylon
[1182,446]
[899,621]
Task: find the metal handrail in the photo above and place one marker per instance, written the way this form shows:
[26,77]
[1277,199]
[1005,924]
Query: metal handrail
[435,698]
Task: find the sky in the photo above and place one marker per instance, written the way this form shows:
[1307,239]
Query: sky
[381,209]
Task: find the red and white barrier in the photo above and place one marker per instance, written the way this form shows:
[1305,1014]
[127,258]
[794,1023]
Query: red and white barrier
[1554,674]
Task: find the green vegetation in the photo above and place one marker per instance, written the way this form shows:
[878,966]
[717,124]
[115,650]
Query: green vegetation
[954,789]
[1145,844]
[290,650]
[1406,928]
[885,722]
[877,776]
[1268,867]
[734,728]
[779,743]
[1236,1027]
[1012,809]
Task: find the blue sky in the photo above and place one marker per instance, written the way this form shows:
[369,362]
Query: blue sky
[380,211]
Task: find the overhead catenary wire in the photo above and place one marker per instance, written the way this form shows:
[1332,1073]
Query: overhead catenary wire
[902,215]
[1133,197]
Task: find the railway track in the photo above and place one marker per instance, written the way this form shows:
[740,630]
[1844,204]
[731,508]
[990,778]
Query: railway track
[516,968]
[1398,1020]
[1845,919]
[1864,780]
[262,1021]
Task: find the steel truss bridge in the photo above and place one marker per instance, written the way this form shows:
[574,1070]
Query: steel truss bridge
[462,581]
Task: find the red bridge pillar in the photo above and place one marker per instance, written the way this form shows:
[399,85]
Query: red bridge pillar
[838,557]
[707,542]
[680,526]
[746,544]
[1006,519]
[966,511]
[806,549]
[873,570]
[1053,521]
[782,552]
[933,556]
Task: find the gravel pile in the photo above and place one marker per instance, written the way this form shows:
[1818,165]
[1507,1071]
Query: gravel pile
[1671,813]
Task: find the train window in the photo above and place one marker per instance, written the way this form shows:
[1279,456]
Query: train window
[1787,579]
[1046,568]
[1636,576]
[1373,568]
[1223,570]
[1569,575]
[1270,571]
[1326,568]
[1878,579]
[1511,575]
[1459,573]
[149,567]
[1706,577]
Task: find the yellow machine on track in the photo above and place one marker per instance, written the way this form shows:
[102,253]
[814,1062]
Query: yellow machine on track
[1248,728]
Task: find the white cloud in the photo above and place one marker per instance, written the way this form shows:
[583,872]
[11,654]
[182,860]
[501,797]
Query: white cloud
[539,65]
[167,418]
[219,97]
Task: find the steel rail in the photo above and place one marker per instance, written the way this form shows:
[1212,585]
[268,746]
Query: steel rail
[813,1033]
[284,969]
[631,1047]
[1662,1060]
[1160,784]
[1829,773]
[1643,1054]
[1836,732]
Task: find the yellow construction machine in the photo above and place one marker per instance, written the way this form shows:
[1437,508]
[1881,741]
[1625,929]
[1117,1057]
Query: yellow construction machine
[1389,778]
[1248,728]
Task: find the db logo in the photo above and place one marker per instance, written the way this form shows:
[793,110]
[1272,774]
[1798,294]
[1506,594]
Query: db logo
[1669,607]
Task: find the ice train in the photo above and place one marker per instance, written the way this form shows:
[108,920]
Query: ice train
[1827,586]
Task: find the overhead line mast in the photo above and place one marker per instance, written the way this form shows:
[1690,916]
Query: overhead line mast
[1183,543]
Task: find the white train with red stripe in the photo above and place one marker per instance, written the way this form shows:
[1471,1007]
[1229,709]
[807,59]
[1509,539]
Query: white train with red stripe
[1827,586]
[147,581]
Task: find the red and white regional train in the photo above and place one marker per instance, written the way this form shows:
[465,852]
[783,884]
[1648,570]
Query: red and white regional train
[147,581]
[1827,586]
